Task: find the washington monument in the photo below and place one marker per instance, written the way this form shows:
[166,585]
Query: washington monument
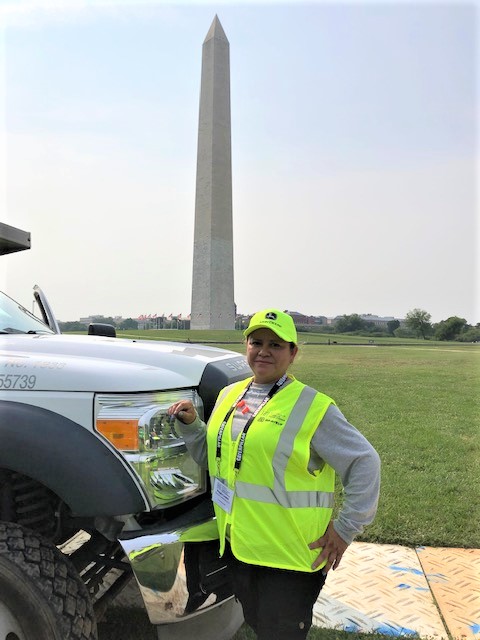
[212,289]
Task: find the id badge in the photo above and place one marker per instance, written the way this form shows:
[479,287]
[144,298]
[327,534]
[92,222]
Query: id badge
[222,495]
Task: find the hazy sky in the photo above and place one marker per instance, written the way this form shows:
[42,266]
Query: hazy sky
[354,143]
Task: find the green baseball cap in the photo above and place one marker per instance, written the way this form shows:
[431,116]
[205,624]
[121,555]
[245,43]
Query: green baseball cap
[279,322]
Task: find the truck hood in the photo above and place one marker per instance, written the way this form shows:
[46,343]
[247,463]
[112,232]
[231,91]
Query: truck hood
[99,364]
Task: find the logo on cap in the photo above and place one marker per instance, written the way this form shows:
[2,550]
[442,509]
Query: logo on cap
[271,316]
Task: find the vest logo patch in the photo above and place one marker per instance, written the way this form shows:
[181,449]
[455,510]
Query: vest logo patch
[273,417]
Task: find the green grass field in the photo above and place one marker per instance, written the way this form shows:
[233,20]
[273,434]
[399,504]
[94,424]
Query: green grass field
[419,405]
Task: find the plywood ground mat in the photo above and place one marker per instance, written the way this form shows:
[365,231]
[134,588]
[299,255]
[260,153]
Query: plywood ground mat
[403,592]
[454,578]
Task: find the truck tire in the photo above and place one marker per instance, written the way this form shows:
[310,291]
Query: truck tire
[42,597]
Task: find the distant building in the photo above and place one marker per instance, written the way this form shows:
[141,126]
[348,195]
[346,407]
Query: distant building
[99,318]
[301,320]
[380,321]
[163,322]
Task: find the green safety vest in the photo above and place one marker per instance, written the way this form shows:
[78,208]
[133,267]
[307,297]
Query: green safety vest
[279,506]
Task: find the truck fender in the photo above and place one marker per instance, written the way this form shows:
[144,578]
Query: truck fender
[71,461]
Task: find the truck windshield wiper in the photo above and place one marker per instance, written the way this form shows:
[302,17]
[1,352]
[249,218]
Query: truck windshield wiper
[36,331]
[11,330]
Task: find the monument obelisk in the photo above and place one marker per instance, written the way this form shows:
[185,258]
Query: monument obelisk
[213,304]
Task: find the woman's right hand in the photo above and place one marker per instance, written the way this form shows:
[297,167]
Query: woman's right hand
[183,411]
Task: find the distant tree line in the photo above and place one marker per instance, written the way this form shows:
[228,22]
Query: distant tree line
[453,328]
[417,325]
[354,322]
[128,323]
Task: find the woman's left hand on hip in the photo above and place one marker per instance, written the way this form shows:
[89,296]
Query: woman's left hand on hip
[333,547]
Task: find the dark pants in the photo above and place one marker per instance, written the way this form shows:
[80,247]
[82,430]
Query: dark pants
[276,603]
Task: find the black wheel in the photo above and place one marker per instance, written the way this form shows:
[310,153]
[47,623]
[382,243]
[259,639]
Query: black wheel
[41,595]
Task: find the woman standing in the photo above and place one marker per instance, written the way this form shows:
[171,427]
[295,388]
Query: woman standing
[272,447]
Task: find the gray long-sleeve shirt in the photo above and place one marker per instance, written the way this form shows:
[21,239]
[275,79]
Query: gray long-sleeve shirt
[335,442]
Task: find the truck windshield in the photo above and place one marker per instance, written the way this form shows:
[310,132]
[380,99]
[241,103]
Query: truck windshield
[16,319]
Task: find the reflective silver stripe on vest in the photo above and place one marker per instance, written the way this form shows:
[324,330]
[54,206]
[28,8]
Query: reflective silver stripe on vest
[279,494]
[284,498]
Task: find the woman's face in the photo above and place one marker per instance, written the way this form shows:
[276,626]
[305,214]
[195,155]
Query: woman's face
[268,355]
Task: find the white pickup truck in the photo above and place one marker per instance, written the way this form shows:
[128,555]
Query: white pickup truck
[96,486]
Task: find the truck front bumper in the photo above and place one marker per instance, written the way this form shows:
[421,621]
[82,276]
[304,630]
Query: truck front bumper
[177,567]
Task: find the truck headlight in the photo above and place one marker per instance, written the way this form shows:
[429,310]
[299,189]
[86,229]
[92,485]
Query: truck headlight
[139,427]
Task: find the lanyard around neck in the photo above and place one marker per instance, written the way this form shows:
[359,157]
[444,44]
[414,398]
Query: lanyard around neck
[238,459]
